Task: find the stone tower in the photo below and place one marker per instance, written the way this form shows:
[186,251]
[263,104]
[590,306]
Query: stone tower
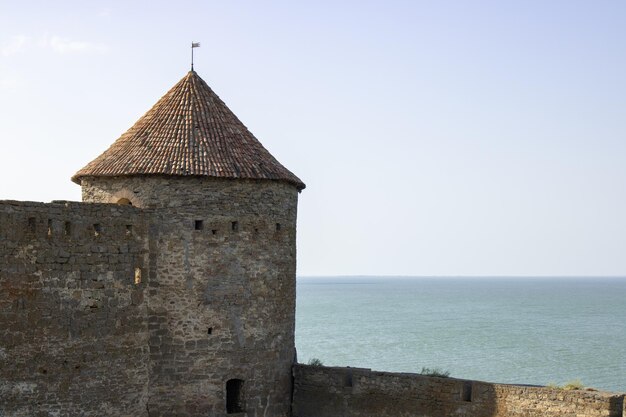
[220,272]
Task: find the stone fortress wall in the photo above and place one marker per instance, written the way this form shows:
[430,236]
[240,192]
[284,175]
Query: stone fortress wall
[180,305]
[221,301]
[355,392]
[117,310]
[94,321]
[73,323]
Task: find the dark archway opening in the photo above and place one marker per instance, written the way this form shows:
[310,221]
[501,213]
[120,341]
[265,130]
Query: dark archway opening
[124,202]
[234,396]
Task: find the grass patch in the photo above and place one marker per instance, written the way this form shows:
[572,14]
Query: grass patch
[315,362]
[573,385]
[434,372]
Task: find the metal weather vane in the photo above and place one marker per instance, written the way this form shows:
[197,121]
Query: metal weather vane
[193,45]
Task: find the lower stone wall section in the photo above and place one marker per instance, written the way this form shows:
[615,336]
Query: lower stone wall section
[355,392]
[73,327]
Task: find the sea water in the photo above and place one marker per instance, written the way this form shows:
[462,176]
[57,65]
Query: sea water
[507,330]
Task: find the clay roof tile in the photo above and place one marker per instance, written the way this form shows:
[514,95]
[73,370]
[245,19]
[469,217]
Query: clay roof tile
[189,132]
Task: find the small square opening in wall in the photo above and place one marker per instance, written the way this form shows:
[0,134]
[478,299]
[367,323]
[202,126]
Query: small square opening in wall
[234,226]
[67,229]
[97,229]
[129,229]
[214,231]
[209,330]
[198,225]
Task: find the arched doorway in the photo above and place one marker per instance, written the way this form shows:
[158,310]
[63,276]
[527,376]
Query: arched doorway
[234,396]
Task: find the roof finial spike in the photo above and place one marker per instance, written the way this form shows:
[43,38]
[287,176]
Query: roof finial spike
[193,45]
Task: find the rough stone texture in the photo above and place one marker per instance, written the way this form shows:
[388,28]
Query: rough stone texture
[216,299]
[235,276]
[111,310]
[73,324]
[353,392]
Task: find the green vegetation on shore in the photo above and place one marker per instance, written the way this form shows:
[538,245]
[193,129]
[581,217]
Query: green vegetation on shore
[434,372]
[573,385]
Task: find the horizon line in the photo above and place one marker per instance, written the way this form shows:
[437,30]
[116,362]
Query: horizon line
[458,276]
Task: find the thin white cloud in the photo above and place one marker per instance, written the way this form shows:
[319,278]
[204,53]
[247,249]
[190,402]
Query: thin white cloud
[14,45]
[69,46]
[60,45]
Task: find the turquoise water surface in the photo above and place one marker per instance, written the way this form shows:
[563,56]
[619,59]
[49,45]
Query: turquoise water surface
[509,330]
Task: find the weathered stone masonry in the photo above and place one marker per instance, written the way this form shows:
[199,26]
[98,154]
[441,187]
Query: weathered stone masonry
[355,392]
[120,310]
[73,322]
[222,299]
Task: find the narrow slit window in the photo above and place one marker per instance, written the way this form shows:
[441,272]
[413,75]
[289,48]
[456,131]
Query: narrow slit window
[67,229]
[210,330]
[466,395]
[234,396]
[278,227]
[198,225]
[129,229]
[97,229]
[234,226]
[32,224]
[137,276]
[348,379]
[49,227]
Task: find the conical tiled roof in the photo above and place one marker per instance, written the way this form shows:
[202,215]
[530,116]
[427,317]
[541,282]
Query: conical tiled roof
[189,132]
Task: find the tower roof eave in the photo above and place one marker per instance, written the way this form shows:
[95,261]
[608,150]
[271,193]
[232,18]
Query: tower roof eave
[189,132]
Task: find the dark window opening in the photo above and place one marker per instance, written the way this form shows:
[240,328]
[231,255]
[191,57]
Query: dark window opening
[210,330]
[234,396]
[129,229]
[214,231]
[32,224]
[49,227]
[348,380]
[137,276]
[198,225]
[278,227]
[234,226]
[67,229]
[97,229]
[124,202]
[466,395]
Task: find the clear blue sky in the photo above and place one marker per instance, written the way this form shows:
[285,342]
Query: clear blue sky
[435,137]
